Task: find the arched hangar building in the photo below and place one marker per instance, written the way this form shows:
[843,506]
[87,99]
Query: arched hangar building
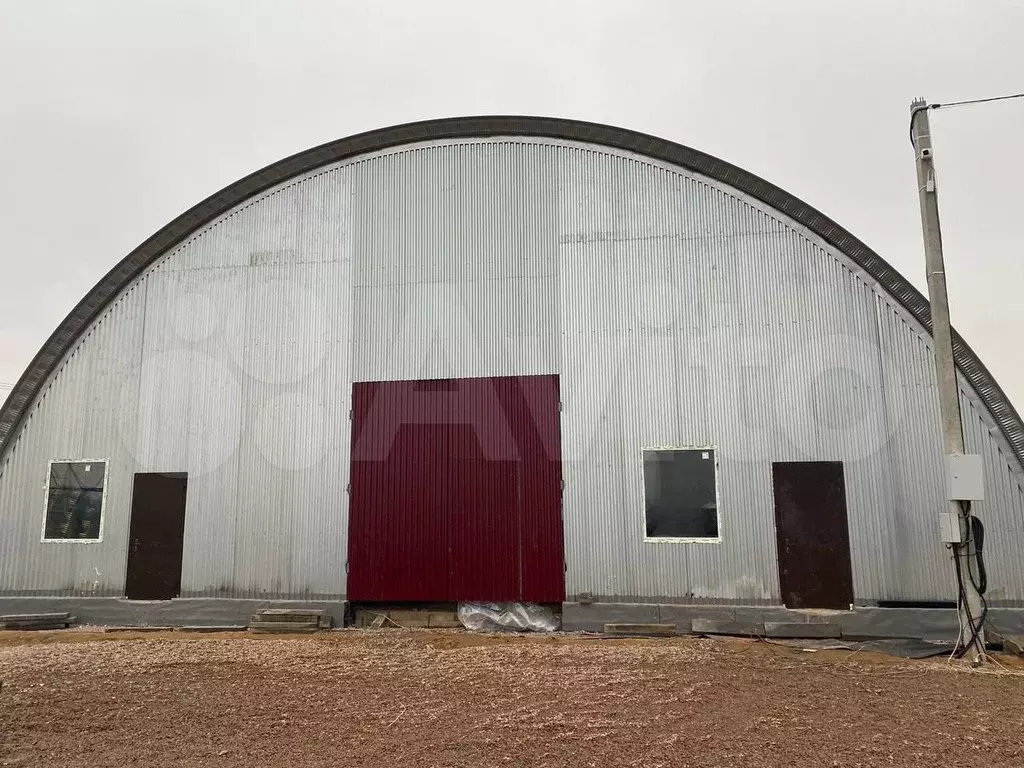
[499,358]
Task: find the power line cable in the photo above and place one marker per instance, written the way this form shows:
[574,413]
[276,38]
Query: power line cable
[976,101]
[965,102]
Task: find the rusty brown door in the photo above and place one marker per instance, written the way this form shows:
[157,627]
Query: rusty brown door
[157,536]
[813,535]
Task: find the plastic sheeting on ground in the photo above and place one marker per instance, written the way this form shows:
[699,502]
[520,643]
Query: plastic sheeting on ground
[508,617]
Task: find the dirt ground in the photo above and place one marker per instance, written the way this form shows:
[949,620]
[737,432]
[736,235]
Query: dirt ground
[428,698]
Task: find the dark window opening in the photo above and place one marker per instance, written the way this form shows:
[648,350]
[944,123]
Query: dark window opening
[680,494]
[74,500]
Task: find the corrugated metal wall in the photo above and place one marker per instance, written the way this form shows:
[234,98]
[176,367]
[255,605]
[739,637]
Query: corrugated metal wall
[456,262]
[676,312]
[87,406]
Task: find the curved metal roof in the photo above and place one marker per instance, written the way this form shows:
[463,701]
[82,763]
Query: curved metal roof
[62,341]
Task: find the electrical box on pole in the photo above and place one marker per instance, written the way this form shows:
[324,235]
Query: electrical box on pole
[965,478]
[951,528]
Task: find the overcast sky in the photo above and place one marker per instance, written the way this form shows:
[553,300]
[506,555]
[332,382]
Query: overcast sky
[117,116]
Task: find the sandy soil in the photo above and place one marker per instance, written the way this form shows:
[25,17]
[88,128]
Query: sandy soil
[397,698]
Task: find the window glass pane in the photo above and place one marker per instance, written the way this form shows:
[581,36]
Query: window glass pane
[74,500]
[679,489]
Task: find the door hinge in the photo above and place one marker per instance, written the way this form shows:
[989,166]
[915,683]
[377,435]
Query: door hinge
[561,406]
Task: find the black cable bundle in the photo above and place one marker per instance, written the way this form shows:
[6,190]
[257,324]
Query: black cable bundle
[978,534]
[977,529]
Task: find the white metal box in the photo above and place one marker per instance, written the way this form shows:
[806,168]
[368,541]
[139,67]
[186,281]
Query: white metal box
[950,529]
[965,478]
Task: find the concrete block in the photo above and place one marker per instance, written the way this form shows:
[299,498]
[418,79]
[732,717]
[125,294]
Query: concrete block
[727,627]
[592,618]
[193,611]
[53,617]
[320,616]
[812,615]
[283,626]
[1009,620]
[924,623]
[442,620]
[36,624]
[683,626]
[646,630]
[284,614]
[289,631]
[137,629]
[211,628]
[757,614]
[278,616]
[684,615]
[797,629]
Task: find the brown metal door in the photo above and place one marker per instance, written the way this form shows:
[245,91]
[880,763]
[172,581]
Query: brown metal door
[812,533]
[156,537]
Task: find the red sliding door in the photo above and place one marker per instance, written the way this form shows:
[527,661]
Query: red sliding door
[456,491]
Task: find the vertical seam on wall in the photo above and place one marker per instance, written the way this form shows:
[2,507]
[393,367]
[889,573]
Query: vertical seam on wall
[889,562]
[237,588]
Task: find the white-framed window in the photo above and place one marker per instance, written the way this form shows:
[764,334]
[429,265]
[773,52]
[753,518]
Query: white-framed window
[75,494]
[681,494]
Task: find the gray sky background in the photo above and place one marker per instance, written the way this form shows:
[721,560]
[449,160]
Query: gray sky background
[117,116]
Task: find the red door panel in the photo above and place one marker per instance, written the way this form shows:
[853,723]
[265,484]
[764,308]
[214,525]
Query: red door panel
[456,491]
[481,501]
[541,488]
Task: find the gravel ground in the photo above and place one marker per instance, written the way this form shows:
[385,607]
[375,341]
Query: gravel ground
[401,698]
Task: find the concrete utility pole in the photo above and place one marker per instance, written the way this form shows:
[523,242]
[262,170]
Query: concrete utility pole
[945,368]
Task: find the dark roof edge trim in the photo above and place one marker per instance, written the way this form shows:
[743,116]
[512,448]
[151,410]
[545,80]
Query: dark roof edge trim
[63,339]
